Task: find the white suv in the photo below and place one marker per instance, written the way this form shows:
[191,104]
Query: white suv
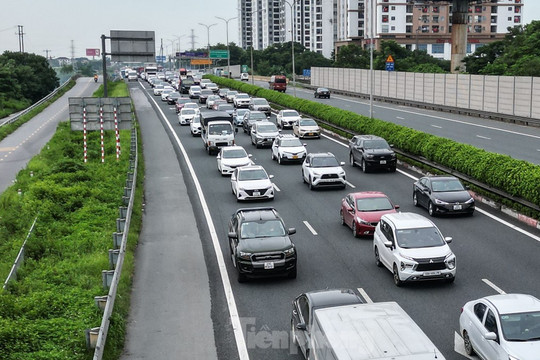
[287,147]
[323,169]
[413,249]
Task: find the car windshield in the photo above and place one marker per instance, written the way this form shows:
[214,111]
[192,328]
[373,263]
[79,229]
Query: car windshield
[191,106]
[267,128]
[257,116]
[196,119]
[521,326]
[232,93]
[307,122]
[220,129]
[419,238]
[225,107]
[374,204]
[188,112]
[252,174]
[324,161]
[207,92]
[376,144]
[241,112]
[447,185]
[212,85]
[242,96]
[234,154]
[291,142]
[260,102]
[290,113]
[322,89]
[261,229]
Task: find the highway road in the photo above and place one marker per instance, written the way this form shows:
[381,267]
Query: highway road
[494,253]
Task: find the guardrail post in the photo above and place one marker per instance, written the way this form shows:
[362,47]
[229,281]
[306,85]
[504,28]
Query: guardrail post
[101,301]
[91,337]
[123,212]
[117,239]
[120,225]
[113,258]
[107,276]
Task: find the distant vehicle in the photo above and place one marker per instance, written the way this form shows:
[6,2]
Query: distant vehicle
[230,95]
[287,118]
[132,75]
[238,116]
[322,93]
[204,94]
[371,152]
[413,249]
[195,125]
[231,157]
[260,245]
[505,326]
[363,210]
[222,92]
[194,91]
[185,116]
[183,72]
[242,100]
[306,128]
[228,108]
[213,87]
[158,89]
[185,84]
[180,102]
[203,83]
[244,76]
[442,195]
[323,170]
[150,70]
[250,117]
[171,99]
[278,83]
[210,101]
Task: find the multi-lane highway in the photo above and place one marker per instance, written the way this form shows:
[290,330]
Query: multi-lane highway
[493,253]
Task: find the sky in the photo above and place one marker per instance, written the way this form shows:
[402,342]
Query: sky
[60,25]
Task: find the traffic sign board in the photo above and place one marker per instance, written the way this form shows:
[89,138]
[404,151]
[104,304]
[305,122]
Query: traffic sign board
[389,66]
[219,54]
[161,58]
[389,59]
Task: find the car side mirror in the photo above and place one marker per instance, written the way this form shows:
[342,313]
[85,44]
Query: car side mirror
[271,176]
[301,326]
[233,177]
[291,231]
[249,155]
[342,163]
[396,207]
[232,235]
[490,336]
[204,131]
[448,239]
[388,244]
[218,156]
[304,144]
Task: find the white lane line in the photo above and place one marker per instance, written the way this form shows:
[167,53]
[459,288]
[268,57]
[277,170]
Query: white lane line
[483,137]
[275,187]
[229,295]
[351,185]
[365,295]
[310,228]
[400,118]
[493,286]
[436,126]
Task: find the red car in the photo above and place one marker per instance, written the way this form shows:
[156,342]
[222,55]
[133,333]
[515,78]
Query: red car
[180,103]
[362,211]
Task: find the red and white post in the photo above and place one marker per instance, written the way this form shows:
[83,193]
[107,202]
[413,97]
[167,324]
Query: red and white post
[117,132]
[84,133]
[101,134]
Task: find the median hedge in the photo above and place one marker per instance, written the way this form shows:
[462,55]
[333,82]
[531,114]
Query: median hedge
[44,313]
[515,177]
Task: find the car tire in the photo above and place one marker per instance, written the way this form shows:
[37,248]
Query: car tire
[467,343]
[292,274]
[310,183]
[342,220]
[279,160]
[451,280]
[272,153]
[354,229]
[351,160]
[395,273]
[377,258]
[241,278]
[415,198]
[303,178]
[431,210]
[364,166]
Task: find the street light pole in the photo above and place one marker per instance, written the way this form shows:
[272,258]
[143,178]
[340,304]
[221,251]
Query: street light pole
[208,34]
[292,44]
[228,51]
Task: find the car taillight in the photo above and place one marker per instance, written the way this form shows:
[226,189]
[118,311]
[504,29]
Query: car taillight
[461,309]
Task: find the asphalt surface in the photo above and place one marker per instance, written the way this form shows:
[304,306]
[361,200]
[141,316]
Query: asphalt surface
[22,145]
[487,251]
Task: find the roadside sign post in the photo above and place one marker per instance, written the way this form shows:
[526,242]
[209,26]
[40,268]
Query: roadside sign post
[390,63]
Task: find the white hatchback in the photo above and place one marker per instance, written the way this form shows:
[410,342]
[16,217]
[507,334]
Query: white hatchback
[185,116]
[413,249]
[252,183]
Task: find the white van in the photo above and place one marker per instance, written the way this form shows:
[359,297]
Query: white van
[382,331]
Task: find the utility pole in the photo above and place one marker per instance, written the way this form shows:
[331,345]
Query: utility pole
[47,53]
[192,36]
[20,33]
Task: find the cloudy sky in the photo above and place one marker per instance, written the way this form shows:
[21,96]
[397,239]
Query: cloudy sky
[59,25]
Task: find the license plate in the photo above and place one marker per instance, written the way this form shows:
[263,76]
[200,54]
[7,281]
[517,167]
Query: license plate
[310,134]
[383,162]
[432,273]
[458,207]
[268,265]
[295,156]
[256,193]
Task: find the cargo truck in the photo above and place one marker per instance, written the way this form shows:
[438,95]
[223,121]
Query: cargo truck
[217,130]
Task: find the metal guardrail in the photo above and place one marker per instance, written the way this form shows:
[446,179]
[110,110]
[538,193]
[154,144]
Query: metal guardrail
[33,106]
[20,257]
[97,337]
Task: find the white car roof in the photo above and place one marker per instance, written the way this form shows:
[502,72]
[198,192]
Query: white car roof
[514,303]
[408,220]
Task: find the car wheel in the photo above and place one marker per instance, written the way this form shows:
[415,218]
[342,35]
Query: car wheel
[467,342]
[342,220]
[397,280]
[364,166]
[354,229]
[377,258]
[292,273]
[279,159]
[415,198]
[351,160]
[273,157]
[310,183]
[303,178]
[193,134]
[241,277]
[451,280]
[431,209]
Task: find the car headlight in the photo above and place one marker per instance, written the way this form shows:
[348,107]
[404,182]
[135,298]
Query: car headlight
[470,201]
[244,255]
[362,221]
[290,252]
[369,156]
[440,202]
[316,174]
[341,173]
[406,257]
[450,261]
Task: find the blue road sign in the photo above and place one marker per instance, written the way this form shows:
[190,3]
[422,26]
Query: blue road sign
[390,66]
[161,58]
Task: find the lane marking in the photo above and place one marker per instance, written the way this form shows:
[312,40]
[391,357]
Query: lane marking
[8,148]
[436,126]
[351,185]
[483,137]
[365,295]
[275,187]
[310,228]
[231,302]
[493,286]
[400,118]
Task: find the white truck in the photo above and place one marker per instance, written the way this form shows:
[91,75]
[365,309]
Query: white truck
[217,130]
[381,331]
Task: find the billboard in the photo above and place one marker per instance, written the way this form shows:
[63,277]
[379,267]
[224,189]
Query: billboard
[133,46]
[92,52]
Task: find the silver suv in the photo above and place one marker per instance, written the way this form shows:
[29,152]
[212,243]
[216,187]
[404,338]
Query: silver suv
[261,104]
[413,249]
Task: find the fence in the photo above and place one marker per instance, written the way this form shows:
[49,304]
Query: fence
[97,337]
[507,95]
